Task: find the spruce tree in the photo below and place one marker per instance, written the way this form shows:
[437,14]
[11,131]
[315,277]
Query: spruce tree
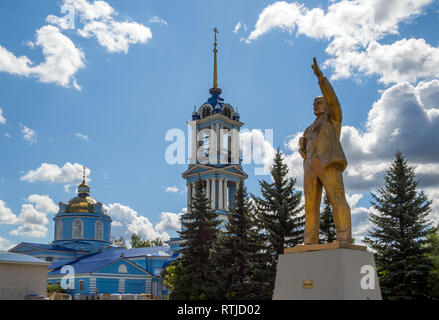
[238,253]
[327,226]
[434,256]
[280,211]
[399,234]
[200,230]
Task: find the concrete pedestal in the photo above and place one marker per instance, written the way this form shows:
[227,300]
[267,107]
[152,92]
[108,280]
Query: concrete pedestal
[333,274]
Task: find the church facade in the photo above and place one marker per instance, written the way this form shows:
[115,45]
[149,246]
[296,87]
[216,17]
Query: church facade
[82,250]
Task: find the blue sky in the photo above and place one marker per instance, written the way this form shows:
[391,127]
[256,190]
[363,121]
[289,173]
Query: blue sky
[73,97]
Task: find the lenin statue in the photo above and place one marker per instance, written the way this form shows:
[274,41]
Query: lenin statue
[324,162]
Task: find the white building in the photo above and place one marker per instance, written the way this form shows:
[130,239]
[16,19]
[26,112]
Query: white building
[21,275]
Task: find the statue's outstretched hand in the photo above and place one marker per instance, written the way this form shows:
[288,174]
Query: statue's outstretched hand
[317,71]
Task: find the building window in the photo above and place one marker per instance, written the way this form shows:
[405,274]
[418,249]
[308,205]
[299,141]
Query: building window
[58,283]
[49,283]
[81,285]
[49,259]
[78,229]
[59,225]
[99,230]
[122,269]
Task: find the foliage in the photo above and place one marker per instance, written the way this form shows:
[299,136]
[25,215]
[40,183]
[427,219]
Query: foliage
[55,288]
[399,234]
[199,232]
[238,255]
[120,242]
[433,238]
[280,212]
[138,242]
[327,226]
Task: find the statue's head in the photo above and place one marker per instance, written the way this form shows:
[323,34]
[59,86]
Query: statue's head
[319,105]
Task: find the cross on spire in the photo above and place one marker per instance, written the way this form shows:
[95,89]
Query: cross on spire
[216,31]
[83,173]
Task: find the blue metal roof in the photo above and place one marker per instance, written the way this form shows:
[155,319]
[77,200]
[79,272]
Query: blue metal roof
[95,261]
[47,246]
[159,251]
[19,258]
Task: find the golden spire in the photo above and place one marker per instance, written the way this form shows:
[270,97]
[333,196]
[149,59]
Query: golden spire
[215,72]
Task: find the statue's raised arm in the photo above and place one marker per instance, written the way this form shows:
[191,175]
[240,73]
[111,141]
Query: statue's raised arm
[328,93]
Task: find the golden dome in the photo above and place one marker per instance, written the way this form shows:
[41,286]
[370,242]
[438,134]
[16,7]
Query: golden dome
[81,204]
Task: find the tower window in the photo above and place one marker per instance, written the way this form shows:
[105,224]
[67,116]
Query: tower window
[206,112]
[228,112]
[58,233]
[99,230]
[78,229]
[81,285]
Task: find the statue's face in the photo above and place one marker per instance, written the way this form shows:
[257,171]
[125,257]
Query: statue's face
[319,106]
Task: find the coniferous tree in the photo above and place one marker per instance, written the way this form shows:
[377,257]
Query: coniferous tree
[280,211]
[199,234]
[399,234]
[327,226]
[434,256]
[238,253]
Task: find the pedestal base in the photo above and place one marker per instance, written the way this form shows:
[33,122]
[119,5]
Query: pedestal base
[332,274]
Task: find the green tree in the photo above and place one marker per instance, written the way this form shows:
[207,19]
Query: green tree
[399,234]
[178,282]
[434,256]
[280,211]
[237,253]
[199,232]
[327,226]
[120,242]
[55,288]
[138,242]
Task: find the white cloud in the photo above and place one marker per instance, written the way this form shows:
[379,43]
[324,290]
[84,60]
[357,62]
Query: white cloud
[5,244]
[169,222]
[32,219]
[126,221]
[62,59]
[43,203]
[2,118]
[97,19]
[353,29]
[30,230]
[257,148]
[82,136]
[116,36]
[6,215]
[70,174]
[29,135]
[159,20]
[172,189]
[237,27]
